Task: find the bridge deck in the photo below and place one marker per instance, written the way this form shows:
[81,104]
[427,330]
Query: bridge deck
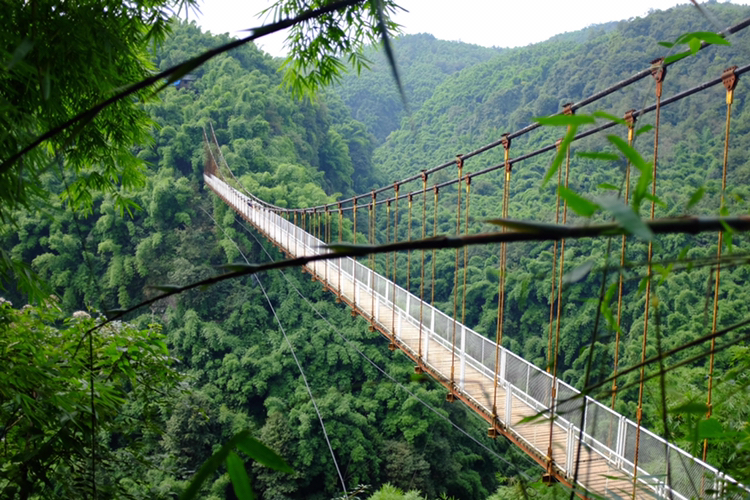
[486,377]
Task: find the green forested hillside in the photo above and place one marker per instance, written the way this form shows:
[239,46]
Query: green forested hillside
[423,63]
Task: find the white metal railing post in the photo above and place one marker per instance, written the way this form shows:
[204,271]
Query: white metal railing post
[503,356]
[462,370]
[508,405]
[398,330]
[570,445]
[528,376]
[620,444]
[408,303]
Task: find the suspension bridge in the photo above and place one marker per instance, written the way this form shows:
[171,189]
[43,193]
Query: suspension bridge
[578,440]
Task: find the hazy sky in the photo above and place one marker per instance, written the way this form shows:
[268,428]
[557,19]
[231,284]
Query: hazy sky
[501,23]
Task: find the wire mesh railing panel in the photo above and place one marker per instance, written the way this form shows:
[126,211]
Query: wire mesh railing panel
[569,405]
[363,273]
[602,425]
[473,346]
[381,285]
[488,355]
[442,326]
[347,266]
[688,477]
[414,307]
[540,386]
[516,372]
[400,299]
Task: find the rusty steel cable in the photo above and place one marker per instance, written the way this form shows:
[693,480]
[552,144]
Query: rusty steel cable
[630,121]
[558,319]
[501,285]
[459,167]
[730,82]
[408,252]
[421,272]
[373,218]
[466,249]
[658,73]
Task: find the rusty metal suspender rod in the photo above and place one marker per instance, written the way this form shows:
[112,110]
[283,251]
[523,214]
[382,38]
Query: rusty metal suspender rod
[630,121]
[460,166]
[659,72]
[730,82]
[419,368]
[550,460]
[492,431]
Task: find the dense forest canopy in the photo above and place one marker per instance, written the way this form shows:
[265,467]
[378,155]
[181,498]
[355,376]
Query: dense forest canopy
[229,367]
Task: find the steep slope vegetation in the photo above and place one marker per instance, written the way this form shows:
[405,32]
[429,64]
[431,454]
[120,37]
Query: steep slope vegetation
[423,62]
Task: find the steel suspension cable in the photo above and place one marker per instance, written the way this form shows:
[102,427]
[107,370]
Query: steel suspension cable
[395,256]
[730,82]
[340,262]
[459,166]
[553,281]
[421,272]
[387,234]
[492,432]
[373,216]
[434,233]
[658,73]
[630,121]
[466,249]
[408,252]
[558,319]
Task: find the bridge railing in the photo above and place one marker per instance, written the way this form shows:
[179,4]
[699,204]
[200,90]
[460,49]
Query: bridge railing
[604,431]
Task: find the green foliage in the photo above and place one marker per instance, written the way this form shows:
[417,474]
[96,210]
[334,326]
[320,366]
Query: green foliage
[46,399]
[57,66]
[317,47]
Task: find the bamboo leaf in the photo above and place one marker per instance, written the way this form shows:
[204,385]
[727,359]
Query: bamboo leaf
[695,198]
[262,454]
[577,203]
[564,120]
[527,226]
[21,51]
[598,156]
[560,155]
[627,218]
[643,130]
[240,267]
[607,116]
[691,407]
[606,185]
[629,152]
[578,273]
[239,478]
[676,57]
